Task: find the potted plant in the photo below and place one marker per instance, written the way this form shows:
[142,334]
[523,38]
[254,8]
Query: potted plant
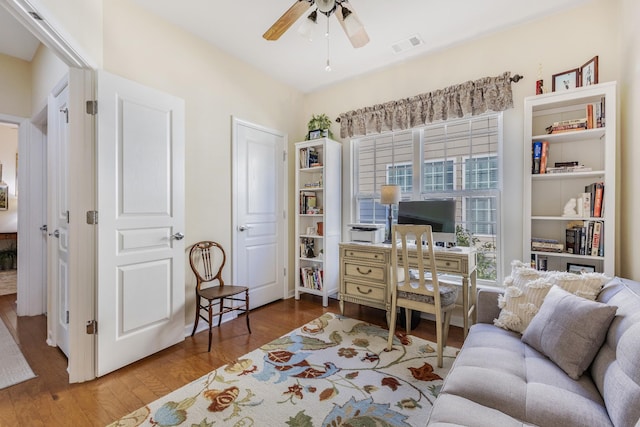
[320,122]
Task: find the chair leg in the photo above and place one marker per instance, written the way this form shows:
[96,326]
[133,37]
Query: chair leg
[246,300]
[220,311]
[439,338]
[195,322]
[408,314]
[447,321]
[392,323]
[210,324]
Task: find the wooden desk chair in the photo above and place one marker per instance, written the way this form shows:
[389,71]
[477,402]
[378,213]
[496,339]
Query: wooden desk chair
[414,291]
[207,259]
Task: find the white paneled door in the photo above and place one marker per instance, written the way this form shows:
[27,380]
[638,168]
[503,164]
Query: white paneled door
[259,200]
[141,222]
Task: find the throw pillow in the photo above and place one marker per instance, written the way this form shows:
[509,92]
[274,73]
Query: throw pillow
[524,292]
[527,287]
[569,330]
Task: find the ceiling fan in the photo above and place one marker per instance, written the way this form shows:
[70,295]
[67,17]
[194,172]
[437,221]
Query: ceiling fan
[346,16]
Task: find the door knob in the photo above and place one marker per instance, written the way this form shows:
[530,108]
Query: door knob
[56,234]
[243,228]
[177,236]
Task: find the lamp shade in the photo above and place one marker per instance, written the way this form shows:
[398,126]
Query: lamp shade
[389,194]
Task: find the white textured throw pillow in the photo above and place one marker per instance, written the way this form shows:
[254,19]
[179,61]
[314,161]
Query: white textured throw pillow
[527,287]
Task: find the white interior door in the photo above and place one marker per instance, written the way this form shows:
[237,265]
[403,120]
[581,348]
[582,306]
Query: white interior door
[141,221]
[259,196]
[58,212]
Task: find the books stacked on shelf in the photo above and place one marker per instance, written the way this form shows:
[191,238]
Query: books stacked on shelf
[567,167]
[309,203]
[546,245]
[567,126]
[585,238]
[594,118]
[311,277]
[309,158]
[540,157]
[596,197]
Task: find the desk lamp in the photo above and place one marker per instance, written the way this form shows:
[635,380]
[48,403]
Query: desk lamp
[389,195]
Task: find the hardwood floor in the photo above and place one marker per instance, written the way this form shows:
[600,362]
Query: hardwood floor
[49,399]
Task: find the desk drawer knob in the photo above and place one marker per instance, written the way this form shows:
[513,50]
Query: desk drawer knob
[448,263]
[365,293]
[363,272]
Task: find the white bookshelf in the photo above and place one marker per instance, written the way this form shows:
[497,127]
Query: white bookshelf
[321,183]
[545,195]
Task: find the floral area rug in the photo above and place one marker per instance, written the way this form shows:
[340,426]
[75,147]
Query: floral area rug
[333,371]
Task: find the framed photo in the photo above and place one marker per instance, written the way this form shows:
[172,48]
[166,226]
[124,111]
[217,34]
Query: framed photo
[580,268]
[315,134]
[4,197]
[589,72]
[565,80]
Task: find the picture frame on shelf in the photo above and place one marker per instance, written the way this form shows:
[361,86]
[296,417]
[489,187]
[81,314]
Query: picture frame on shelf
[589,72]
[580,268]
[4,197]
[315,134]
[566,80]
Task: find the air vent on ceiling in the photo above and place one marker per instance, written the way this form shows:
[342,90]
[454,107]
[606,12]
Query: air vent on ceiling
[407,44]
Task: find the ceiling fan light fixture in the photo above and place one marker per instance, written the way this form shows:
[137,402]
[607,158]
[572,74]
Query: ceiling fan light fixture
[326,6]
[306,28]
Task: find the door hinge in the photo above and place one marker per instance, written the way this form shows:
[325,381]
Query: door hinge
[92,217]
[284,156]
[67,318]
[92,327]
[92,107]
[67,217]
[285,271]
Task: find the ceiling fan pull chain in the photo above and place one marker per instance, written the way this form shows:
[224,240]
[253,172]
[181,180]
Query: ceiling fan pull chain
[328,67]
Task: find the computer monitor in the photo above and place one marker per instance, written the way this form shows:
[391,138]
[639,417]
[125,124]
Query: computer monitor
[440,214]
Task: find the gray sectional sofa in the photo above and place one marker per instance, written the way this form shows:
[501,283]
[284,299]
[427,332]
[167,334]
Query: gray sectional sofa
[498,380]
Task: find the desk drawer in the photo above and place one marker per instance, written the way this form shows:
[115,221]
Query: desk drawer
[364,272]
[376,256]
[370,292]
[447,265]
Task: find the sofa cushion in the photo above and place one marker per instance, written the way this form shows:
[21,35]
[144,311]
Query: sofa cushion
[569,330]
[496,374]
[527,287]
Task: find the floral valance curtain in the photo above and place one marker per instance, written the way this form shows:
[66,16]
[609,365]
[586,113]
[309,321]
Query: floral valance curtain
[467,99]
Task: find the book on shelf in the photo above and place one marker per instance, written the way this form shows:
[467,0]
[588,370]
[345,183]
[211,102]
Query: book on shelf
[544,156]
[537,156]
[311,277]
[568,169]
[309,158]
[308,202]
[596,190]
[546,245]
[584,237]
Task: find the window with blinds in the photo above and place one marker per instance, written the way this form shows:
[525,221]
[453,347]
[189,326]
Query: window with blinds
[453,159]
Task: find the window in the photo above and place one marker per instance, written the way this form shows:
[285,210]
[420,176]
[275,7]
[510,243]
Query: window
[454,159]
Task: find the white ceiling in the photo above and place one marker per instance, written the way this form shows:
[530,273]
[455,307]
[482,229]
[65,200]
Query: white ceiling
[237,26]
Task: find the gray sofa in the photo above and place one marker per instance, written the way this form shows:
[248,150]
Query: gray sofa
[497,380]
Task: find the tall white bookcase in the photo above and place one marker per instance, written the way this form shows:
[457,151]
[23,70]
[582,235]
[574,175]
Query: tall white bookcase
[318,217]
[546,195]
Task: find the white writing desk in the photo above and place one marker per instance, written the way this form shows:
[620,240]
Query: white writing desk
[365,275]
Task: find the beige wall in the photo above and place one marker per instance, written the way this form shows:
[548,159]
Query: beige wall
[557,43]
[47,71]
[79,22]
[15,86]
[630,149]
[8,152]
[215,87]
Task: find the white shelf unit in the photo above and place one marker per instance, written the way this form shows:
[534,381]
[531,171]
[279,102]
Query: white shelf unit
[545,195]
[321,183]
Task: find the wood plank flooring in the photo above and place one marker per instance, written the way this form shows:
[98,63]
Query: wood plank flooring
[49,400]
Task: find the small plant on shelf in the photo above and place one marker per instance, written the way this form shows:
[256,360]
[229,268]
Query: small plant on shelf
[319,122]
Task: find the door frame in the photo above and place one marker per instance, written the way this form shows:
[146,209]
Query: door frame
[283,240]
[82,189]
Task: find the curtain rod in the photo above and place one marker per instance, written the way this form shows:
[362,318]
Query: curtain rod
[514,79]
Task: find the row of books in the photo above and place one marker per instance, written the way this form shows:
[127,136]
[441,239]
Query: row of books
[593,200]
[311,277]
[540,160]
[309,202]
[585,238]
[309,158]
[546,245]
[594,118]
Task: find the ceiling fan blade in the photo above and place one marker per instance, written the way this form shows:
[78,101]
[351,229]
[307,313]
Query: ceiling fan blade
[287,19]
[359,37]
